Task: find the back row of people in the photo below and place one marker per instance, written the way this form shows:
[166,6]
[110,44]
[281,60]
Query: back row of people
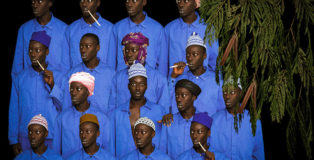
[166,44]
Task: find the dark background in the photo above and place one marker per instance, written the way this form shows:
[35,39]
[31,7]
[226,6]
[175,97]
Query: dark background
[163,11]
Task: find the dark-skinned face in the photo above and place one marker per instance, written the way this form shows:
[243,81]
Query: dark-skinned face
[184,99]
[37,51]
[131,51]
[37,135]
[143,135]
[88,134]
[79,93]
[195,56]
[41,7]
[199,133]
[186,7]
[137,87]
[134,7]
[88,48]
[91,5]
[231,96]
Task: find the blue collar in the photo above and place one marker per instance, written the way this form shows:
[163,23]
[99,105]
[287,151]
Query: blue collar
[85,25]
[44,155]
[194,24]
[142,156]
[49,25]
[203,76]
[96,155]
[196,155]
[126,107]
[143,24]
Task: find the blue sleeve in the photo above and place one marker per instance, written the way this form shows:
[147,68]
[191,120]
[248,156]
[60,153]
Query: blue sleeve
[18,60]
[258,151]
[65,60]
[163,91]
[163,143]
[14,114]
[113,95]
[112,51]
[221,101]
[112,142]
[106,132]
[67,38]
[163,54]
[57,138]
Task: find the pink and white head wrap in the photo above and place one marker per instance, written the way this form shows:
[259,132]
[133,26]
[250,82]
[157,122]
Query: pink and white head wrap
[39,119]
[85,79]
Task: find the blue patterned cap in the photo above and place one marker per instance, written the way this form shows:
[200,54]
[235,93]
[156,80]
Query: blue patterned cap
[137,69]
[195,39]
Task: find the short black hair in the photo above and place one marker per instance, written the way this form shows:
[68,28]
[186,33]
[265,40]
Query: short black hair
[94,36]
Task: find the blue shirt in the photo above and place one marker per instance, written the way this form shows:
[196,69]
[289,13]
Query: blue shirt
[30,155]
[210,99]
[191,154]
[58,56]
[101,154]
[227,144]
[103,80]
[157,88]
[122,131]
[67,130]
[157,56]
[78,28]
[137,155]
[30,96]
[175,139]
[178,33]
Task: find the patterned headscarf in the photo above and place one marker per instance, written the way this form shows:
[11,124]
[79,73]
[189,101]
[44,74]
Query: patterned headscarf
[139,39]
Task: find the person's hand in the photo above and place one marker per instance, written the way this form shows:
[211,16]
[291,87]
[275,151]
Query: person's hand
[178,70]
[48,77]
[167,119]
[209,155]
[17,149]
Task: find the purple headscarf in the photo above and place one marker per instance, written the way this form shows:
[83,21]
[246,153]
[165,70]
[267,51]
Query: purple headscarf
[139,39]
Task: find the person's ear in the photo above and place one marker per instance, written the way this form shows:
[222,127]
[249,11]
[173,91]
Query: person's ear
[204,54]
[98,47]
[194,97]
[98,3]
[153,134]
[50,3]
[208,133]
[144,3]
[98,133]
[46,133]
[47,51]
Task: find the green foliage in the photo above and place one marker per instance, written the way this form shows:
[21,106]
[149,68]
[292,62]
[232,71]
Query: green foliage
[267,42]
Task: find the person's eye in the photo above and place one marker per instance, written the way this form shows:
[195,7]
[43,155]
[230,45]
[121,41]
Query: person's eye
[136,132]
[81,132]
[88,46]
[134,1]
[144,132]
[90,1]
[89,131]
[79,89]
[30,132]
[38,50]
[38,132]
[195,54]
[232,92]
[40,1]
[225,93]
[186,1]
[134,50]
[192,132]
[200,132]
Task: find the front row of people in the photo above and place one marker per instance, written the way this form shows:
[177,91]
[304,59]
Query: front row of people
[136,133]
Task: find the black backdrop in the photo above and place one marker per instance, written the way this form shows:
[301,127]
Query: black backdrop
[163,11]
